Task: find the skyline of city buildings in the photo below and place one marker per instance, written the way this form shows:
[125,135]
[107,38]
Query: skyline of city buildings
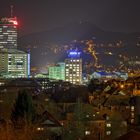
[72,98]
[21,62]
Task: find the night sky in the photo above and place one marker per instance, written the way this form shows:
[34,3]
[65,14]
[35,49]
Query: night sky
[38,15]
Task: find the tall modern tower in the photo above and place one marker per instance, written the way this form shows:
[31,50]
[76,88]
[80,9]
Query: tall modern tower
[8,32]
[14,63]
[73,68]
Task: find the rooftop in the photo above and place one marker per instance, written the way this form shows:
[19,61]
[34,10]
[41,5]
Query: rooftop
[131,135]
[12,51]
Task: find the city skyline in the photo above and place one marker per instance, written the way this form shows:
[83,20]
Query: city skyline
[69,70]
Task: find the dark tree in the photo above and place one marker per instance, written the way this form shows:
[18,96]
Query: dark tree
[23,111]
[96,85]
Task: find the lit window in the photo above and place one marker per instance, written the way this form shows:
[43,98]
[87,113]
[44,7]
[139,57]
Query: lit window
[132,115]
[132,108]
[87,132]
[108,133]
[40,128]
[132,120]
[108,125]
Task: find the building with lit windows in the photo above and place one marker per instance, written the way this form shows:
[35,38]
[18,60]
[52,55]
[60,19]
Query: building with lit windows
[57,72]
[8,33]
[14,63]
[73,67]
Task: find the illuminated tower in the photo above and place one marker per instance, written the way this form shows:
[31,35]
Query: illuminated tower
[14,63]
[73,67]
[8,32]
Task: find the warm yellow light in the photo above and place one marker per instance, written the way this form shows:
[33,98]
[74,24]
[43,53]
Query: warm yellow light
[121,86]
[40,128]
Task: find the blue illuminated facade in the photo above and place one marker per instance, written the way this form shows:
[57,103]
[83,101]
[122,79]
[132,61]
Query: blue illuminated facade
[28,64]
[74,54]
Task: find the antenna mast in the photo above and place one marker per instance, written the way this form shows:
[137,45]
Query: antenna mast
[11,10]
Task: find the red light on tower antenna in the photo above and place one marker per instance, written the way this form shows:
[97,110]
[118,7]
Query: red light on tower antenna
[15,22]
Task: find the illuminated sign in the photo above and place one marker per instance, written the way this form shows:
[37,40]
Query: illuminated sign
[74,54]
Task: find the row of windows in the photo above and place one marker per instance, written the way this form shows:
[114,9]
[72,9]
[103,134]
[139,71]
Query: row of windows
[73,76]
[73,69]
[73,80]
[73,65]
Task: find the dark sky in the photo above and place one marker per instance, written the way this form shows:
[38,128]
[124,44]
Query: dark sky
[38,15]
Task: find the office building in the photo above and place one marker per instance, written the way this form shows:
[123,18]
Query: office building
[14,63]
[73,67]
[57,72]
[8,33]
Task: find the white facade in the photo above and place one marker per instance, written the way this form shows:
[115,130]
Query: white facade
[73,70]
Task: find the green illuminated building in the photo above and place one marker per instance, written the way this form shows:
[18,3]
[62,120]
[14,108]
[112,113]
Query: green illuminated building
[57,72]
